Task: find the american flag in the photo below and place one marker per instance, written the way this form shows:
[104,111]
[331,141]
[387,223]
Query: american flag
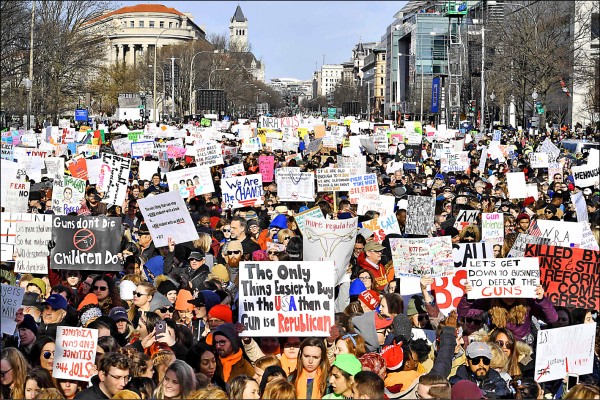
[534,229]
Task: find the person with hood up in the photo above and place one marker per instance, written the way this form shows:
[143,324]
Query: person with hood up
[270,235]
[227,343]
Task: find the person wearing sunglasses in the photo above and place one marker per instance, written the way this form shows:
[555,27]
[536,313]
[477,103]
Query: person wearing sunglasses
[198,271]
[162,306]
[13,373]
[42,353]
[103,287]
[142,296]
[417,313]
[124,326]
[477,370]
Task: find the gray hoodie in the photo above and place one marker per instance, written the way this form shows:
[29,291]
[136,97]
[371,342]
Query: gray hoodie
[365,326]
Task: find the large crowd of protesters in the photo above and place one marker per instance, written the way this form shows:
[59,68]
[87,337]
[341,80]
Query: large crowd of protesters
[376,349]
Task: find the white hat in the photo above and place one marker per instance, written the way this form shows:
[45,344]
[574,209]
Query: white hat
[126,289]
[402,204]
[587,191]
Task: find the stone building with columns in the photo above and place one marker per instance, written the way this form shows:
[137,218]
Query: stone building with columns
[132,31]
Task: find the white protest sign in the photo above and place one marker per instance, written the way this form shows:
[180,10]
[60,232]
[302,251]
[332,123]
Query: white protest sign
[586,175]
[517,187]
[17,197]
[121,145]
[492,227]
[12,298]
[330,240]
[538,160]
[569,349]
[114,178]
[242,191]
[286,298]
[455,162]
[356,165]
[549,148]
[521,241]
[190,182]
[561,233]
[142,149]
[148,168]
[68,197]
[234,170]
[300,218]
[363,187]
[167,216]
[75,353]
[294,185]
[503,277]
[465,218]
[580,206]
[31,246]
[333,179]
[209,153]
[384,206]
[418,257]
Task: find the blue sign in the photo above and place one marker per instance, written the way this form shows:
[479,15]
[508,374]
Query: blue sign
[81,115]
[435,95]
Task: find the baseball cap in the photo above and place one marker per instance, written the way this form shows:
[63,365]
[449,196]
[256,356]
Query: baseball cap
[479,349]
[374,246]
[31,299]
[381,322]
[57,302]
[370,298]
[118,314]
[466,390]
[196,255]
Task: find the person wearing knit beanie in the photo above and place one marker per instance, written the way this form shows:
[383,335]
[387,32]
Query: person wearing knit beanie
[401,327]
[227,343]
[28,323]
[40,284]
[356,287]
[183,307]
[90,298]
[161,306]
[369,300]
[219,315]
[169,290]
[375,363]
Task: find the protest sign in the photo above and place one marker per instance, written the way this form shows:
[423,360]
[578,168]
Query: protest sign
[32,167]
[68,197]
[75,353]
[588,241]
[114,178]
[209,153]
[31,246]
[465,218]
[333,179]
[12,298]
[538,160]
[384,206]
[482,159]
[418,257]
[566,350]
[492,227]
[166,216]
[17,197]
[242,191]
[295,185]
[266,165]
[178,152]
[190,182]
[148,168]
[455,162]
[286,298]
[163,161]
[410,153]
[121,146]
[78,167]
[8,232]
[7,151]
[55,168]
[570,276]
[356,165]
[382,226]
[234,170]
[420,215]
[503,277]
[142,149]
[363,186]
[578,201]
[300,218]
[523,239]
[86,242]
[330,240]
[586,175]
[549,148]
[517,187]
[561,233]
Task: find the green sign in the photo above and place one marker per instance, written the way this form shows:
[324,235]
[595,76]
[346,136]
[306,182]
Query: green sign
[142,106]
[331,112]
[457,8]
[205,122]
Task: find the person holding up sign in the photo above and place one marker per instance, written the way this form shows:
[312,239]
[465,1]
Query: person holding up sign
[511,313]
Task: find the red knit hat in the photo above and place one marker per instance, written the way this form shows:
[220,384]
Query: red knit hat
[523,216]
[393,356]
[370,298]
[222,312]
[528,201]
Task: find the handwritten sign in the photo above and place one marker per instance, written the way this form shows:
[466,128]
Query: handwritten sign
[300,218]
[426,256]
[287,298]
[420,215]
[31,245]
[586,175]
[12,298]
[503,277]
[242,191]
[209,153]
[295,185]
[190,182]
[492,227]
[75,353]
[17,196]
[455,162]
[333,179]
[363,186]
[266,165]
[114,178]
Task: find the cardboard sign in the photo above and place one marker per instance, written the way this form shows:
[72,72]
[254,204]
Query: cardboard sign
[286,298]
[569,276]
[420,215]
[503,278]
[466,218]
[166,215]
[67,198]
[333,179]
[242,191]
[190,182]
[586,175]
[560,351]
[266,166]
[31,246]
[295,185]
[114,178]
[17,197]
[455,162]
[86,242]
[330,240]
[209,153]
[363,187]
[492,227]
[12,299]
[418,257]
[300,218]
[75,353]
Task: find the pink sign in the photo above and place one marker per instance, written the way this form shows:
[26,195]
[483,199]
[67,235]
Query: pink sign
[266,165]
[176,152]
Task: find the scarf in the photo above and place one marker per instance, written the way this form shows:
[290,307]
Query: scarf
[302,385]
[288,365]
[228,363]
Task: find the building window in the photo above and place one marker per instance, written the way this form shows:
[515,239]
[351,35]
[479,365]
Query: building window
[161,24]
[381,92]
[170,24]
[151,24]
[132,24]
[595,26]
[141,24]
[381,80]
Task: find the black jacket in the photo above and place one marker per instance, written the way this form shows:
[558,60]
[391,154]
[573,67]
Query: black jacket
[493,384]
[93,392]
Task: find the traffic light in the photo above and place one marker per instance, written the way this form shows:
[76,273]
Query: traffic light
[472,106]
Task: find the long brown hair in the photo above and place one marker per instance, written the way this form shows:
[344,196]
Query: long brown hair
[324,365]
[512,367]
[501,314]
[19,371]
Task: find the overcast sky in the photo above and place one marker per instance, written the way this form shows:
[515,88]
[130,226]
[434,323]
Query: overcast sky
[292,37]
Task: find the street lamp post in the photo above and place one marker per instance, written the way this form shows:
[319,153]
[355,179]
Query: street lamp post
[154,92]
[534,96]
[492,97]
[210,76]
[28,85]
[192,73]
